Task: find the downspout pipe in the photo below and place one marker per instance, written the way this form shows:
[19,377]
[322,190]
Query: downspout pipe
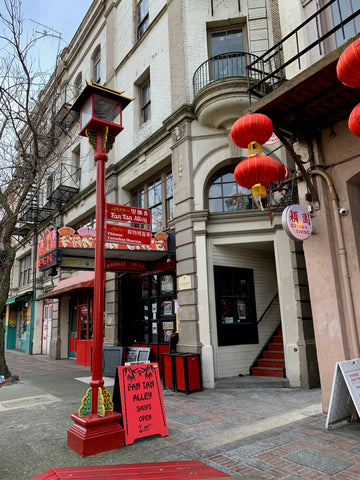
[349,304]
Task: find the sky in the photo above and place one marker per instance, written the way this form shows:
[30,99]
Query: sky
[60,18]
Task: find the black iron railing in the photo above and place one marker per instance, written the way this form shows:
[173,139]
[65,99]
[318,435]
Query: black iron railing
[332,25]
[225,65]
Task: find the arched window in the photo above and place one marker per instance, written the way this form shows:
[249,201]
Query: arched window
[225,195]
[96,61]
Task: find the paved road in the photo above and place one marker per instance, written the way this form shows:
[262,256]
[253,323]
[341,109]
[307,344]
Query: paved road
[275,433]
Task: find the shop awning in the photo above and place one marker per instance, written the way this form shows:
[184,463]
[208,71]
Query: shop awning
[76,282]
[22,297]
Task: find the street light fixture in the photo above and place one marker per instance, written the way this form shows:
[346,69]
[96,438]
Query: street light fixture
[96,427]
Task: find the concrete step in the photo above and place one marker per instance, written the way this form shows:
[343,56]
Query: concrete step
[250,381]
[277,339]
[271,363]
[274,354]
[278,347]
[267,372]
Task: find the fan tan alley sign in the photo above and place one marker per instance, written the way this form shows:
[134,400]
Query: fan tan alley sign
[54,244]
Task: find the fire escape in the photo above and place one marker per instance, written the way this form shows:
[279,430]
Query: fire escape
[60,185]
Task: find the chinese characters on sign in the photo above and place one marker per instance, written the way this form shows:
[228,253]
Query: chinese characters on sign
[122,234]
[119,233]
[124,213]
[296,221]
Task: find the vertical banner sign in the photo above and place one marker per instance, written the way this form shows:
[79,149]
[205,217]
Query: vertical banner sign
[142,403]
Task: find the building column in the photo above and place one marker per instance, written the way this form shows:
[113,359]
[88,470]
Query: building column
[111,310]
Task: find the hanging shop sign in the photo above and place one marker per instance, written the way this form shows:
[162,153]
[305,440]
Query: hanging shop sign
[124,213]
[48,255]
[131,235]
[110,264]
[296,222]
[70,239]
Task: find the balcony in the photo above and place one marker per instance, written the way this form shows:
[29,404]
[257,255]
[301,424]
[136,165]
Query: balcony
[320,34]
[221,88]
[33,213]
[301,70]
[62,185]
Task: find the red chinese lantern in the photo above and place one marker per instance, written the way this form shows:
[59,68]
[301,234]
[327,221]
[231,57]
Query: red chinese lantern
[354,121]
[348,66]
[254,127]
[259,171]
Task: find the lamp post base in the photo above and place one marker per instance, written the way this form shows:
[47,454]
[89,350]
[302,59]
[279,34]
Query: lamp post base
[92,434]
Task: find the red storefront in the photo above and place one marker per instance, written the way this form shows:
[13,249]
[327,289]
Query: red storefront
[135,265]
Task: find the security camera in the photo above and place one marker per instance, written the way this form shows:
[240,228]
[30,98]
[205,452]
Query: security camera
[343,211]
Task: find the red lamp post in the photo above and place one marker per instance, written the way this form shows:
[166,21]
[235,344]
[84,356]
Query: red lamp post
[96,427]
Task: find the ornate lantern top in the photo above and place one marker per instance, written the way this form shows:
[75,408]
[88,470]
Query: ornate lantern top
[100,107]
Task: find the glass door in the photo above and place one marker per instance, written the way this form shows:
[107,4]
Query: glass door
[226,45]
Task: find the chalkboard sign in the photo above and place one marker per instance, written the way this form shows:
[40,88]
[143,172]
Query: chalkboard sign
[141,401]
[112,358]
[131,354]
[138,354]
[345,394]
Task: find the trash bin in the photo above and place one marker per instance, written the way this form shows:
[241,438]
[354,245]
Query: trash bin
[182,372]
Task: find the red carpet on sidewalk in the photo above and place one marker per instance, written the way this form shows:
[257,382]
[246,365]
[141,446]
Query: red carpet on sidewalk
[186,470]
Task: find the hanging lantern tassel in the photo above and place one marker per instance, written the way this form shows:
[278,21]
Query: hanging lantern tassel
[258,192]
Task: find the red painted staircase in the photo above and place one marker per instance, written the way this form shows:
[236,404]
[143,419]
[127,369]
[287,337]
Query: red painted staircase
[271,362]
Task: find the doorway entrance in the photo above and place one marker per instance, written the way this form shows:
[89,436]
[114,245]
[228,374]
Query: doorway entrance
[46,328]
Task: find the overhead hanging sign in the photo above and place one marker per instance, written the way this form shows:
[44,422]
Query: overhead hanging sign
[296,222]
[110,264]
[124,213]
[131,235]
[345,394]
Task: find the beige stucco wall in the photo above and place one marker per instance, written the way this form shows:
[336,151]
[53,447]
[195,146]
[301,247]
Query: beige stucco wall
[335,316]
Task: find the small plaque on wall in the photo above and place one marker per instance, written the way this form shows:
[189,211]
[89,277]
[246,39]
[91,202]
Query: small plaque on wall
[185,282]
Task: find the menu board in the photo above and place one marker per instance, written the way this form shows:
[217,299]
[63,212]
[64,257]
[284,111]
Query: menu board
[345,394]
[142,402]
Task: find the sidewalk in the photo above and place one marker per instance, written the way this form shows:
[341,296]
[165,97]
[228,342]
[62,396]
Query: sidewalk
[273,433]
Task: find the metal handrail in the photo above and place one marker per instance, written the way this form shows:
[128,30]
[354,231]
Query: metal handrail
[272,61]
[225,65]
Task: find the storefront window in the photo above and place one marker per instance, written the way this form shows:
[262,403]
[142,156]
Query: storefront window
[152,308]
[85,317]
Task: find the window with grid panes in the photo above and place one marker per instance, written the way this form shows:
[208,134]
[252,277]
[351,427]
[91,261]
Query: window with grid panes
[157,195]
[142,9]
[97,65]
[225,195]
[145,113]
[25,270]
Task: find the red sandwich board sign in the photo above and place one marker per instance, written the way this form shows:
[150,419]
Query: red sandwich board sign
[142,403]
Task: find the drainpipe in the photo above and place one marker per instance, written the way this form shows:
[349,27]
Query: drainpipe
[343,263]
